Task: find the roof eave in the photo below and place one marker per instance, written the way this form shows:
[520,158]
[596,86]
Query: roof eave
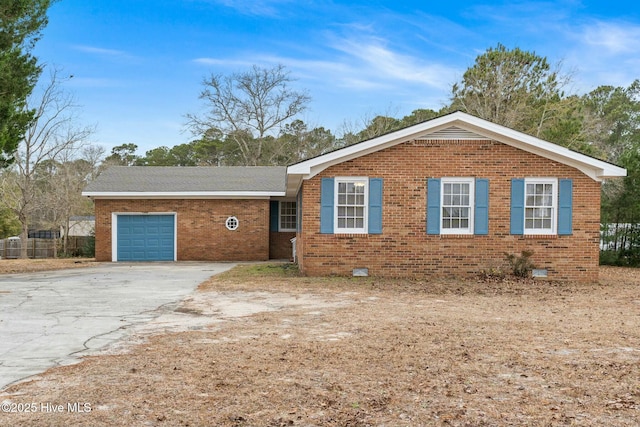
[594,168]
[183,194]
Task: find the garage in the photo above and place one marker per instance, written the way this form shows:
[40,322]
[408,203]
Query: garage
[145,237]
[186,213]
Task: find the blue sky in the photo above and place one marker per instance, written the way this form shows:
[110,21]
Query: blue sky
[138,64]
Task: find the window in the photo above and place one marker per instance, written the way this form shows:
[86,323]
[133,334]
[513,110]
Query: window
[457,205]
[288,216]
[540,209]
[232,223]
[351,205]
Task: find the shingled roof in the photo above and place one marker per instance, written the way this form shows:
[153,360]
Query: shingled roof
[159,181]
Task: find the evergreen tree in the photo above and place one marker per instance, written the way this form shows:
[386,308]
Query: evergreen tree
[21,23]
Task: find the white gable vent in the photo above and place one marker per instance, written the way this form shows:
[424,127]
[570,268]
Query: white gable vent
[452,132]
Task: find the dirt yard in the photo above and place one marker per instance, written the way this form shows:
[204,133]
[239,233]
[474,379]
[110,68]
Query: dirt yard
[10,266]
[262,347]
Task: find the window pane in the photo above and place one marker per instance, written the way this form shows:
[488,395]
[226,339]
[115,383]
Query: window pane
[351,205]
[288,216]
[456,204]
[539,208]
[528,213]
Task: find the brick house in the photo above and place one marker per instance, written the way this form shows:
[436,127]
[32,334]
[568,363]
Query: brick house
[450,196]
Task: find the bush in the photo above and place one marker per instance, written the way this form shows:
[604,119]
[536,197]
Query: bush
[89,248]
[610,258]
[521,264]
[621,258]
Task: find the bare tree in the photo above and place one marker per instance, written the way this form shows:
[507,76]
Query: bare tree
[249,109]
[65,180]
[53,131]
[369,126]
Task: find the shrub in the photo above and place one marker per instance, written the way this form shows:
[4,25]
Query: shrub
[521,264]
[89,248]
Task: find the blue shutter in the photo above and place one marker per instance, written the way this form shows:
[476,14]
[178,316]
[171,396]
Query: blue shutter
[517,206]
[326,206]
[481,214]
[565,207]
[274,213]
[433,206]
[375,206]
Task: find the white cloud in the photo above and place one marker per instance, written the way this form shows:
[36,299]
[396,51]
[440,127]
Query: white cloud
[614,38]
[223,62]
[268,8]
[374,59]
[603,53]
[100,51]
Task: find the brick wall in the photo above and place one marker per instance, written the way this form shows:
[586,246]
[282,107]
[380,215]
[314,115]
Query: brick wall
[201,231]
[280,244]
[405,250]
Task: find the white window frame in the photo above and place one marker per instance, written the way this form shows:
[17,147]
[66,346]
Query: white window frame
[471,182]
[337,182]
[554,213]
[295,215]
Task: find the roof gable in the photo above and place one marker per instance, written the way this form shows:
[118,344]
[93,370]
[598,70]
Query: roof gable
[456,125]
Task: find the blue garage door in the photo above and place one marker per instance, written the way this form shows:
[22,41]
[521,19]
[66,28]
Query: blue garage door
[146,237]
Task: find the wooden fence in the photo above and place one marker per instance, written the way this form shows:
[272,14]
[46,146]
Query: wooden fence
[42,248]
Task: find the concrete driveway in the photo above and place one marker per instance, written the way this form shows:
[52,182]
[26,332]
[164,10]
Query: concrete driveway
[47,319]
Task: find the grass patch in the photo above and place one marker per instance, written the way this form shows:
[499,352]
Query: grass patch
[280,276]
